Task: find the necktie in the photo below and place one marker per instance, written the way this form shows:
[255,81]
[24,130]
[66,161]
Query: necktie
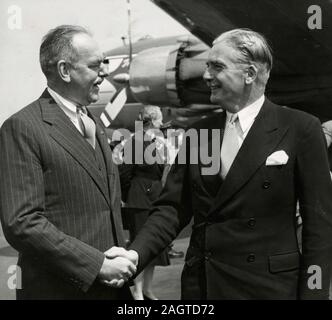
[230,144]
[87,125]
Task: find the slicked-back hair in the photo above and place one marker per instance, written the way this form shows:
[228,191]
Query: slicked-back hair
[253,48]
[57,45]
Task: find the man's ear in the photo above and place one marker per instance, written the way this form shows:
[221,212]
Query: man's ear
[63,70]
[252,72]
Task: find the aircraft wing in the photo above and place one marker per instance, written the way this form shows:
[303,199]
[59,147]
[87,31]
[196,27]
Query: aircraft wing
[302,72]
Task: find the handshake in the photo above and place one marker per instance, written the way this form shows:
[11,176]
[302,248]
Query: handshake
[119,265]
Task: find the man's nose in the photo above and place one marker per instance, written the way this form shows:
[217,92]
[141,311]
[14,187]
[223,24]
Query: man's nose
[103,72]
[207,75]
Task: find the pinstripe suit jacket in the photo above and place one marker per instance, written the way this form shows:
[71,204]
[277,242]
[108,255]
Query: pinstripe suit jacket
[57,208]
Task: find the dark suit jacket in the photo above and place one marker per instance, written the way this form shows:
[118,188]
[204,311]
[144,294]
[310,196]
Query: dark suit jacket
[60,207]
[140,182]
[244,244]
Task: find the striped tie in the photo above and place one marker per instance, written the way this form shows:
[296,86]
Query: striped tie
[87,125]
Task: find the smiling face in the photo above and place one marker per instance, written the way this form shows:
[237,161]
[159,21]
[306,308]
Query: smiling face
[87,72]
[226,77]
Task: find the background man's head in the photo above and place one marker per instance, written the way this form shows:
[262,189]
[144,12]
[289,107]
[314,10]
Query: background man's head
[151,116]
[72,63]
[238,68]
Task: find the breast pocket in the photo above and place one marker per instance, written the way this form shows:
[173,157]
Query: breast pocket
[277,175]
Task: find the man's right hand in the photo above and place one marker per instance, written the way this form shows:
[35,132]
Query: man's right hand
[121,252]
[115,272]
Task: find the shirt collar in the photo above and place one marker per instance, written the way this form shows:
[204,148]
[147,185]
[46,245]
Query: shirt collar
[67,106]
[248,114]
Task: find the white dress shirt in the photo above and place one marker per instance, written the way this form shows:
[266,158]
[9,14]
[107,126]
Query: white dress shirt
[67,107]
[247,117]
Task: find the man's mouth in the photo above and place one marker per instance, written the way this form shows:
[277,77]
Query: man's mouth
[214,87]
[98,83]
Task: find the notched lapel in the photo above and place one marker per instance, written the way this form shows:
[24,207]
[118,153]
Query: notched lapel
[212,182]
[113,182]
[67,136]
[108,159]
[263,137]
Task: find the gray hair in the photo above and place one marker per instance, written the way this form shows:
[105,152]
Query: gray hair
[149,114]
[253,49]
[57,45]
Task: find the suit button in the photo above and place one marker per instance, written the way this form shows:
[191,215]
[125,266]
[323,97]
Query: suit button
[251,222]
[266,184]
[251,257]
[148,190]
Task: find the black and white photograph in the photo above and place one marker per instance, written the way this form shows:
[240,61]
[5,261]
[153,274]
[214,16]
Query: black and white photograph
[163,150]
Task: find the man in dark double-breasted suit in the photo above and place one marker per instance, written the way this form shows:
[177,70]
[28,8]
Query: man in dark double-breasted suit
[243,244]
[59,190]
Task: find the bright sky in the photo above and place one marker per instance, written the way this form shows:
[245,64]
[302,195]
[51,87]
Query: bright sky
[22,81]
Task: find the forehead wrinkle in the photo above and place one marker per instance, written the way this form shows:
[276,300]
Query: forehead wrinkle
[225,60]
[95,58]
[88,56]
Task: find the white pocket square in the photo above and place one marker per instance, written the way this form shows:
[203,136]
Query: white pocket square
[277,158]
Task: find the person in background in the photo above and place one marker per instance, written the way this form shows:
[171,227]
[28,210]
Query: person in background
[141,185]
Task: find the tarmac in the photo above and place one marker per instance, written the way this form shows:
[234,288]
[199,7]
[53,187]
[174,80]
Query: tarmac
[166,280]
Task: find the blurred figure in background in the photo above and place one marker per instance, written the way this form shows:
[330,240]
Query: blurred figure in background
[141,185]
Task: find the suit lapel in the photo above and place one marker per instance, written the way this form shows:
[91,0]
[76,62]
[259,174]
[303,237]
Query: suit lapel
[262,139]
[102,139]
[67,136]
[113,180]
[108,159]
[212,182]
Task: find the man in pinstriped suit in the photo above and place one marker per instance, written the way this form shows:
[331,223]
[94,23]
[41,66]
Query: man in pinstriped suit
[59,191]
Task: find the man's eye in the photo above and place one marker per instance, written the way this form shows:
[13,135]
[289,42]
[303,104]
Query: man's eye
[95,66]
[219,67]
[215,66]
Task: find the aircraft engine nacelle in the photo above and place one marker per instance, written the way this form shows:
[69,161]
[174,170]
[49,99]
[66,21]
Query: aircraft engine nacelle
[170,75]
